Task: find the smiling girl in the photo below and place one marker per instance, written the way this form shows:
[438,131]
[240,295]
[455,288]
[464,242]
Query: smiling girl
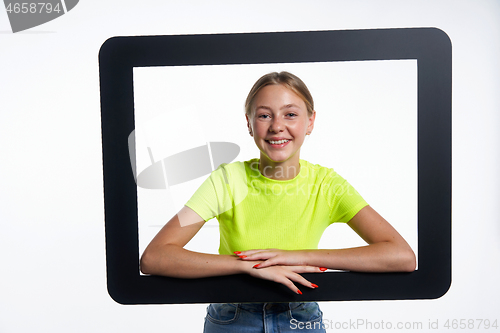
[272,212]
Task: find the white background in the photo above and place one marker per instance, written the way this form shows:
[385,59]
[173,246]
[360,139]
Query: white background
[51,203]
[366,128]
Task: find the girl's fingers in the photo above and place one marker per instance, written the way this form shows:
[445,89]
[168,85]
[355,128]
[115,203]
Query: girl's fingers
[255,255]
[286,275]
[288,283]
[247,253]
[288,279]
[307,269]
[296,269]
[273,257]
[264,264]
[298,279]
[261,256]
[251,252]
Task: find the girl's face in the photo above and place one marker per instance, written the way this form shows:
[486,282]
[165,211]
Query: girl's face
[279,123]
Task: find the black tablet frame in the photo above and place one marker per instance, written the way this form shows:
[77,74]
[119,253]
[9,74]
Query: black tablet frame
[431,48]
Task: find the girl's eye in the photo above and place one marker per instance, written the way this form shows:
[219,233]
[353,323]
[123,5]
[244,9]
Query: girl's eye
[264,116]
[291,114]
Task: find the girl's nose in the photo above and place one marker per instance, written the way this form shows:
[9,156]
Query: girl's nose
[276,126]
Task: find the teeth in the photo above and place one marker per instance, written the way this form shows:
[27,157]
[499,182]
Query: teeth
[278,142]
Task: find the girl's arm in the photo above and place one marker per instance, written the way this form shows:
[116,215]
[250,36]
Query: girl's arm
[386,251]
[166,256]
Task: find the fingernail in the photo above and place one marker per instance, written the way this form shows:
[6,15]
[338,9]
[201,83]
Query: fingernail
[243,257]
[299,292]
[323,269]
[314,285]
[255,266]
[237,252]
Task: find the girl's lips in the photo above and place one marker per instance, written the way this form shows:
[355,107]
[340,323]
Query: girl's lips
[278,145]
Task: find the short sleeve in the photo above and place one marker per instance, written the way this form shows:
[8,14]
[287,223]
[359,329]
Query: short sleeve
[345,201]
[220,192]
[209,196]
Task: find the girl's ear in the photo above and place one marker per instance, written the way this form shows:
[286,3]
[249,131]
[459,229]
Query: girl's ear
[310,127]
[248,125]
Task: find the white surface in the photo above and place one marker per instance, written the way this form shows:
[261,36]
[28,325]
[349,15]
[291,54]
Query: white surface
[51,207]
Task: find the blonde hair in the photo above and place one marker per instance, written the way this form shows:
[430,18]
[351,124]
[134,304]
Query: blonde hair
[292,82]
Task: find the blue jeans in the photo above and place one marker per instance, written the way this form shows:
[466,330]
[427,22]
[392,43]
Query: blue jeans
[264,318]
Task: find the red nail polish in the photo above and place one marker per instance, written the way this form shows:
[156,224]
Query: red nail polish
[237,252]
[299,292]
[255,266]
[314,285]
[243,257]
[323,269]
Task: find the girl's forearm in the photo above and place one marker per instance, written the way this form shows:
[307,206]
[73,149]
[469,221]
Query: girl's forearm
[174,261]
[387,250]
[379,257]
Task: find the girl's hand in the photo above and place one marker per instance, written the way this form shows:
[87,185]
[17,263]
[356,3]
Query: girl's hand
[285,275]
[273,257]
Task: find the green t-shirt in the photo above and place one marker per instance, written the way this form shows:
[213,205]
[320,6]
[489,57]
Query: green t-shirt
[255,212]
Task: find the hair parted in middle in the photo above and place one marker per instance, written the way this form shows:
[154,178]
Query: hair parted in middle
[292,82]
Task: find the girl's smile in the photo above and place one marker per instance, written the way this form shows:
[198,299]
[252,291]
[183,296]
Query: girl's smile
[278,142]
[279,123]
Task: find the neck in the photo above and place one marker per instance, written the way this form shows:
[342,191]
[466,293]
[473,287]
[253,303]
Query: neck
[279,170]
